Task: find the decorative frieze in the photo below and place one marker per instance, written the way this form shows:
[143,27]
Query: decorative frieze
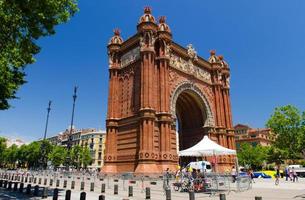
[130,57]
[189,68]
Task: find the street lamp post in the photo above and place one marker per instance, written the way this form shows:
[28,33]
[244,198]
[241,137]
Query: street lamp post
[69,143]
[47,122]
[43,148]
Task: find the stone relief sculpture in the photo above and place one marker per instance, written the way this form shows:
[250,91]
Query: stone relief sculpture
[130,57]
[228,81]
[167,50]
[190,68]
[191,52]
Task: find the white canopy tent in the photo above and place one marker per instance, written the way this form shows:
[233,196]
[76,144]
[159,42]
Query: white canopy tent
[206,147]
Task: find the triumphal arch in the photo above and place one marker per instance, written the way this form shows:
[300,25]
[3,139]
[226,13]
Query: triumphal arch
[158,88]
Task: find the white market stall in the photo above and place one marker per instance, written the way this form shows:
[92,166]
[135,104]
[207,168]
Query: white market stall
[206,147]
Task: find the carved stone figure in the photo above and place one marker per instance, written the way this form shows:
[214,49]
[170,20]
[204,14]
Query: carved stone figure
[191,52]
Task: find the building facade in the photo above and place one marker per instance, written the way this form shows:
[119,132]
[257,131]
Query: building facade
[157,86]
[253,136]
[93,139]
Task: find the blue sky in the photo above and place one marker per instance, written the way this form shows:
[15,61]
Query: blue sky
[263,41]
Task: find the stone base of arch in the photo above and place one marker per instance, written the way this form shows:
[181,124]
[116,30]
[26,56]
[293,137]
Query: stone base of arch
[147,168]
[109,168]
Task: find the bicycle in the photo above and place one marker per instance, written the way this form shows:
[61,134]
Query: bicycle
[277,180]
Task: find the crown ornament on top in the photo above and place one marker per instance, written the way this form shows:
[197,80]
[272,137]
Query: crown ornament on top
[147,16]
[147,10]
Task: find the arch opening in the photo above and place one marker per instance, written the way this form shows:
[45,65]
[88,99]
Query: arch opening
[191,117]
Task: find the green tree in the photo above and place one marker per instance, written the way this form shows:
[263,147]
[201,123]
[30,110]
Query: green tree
[45,149]
[251,156]
[288,124]
[76,152]
[276,155]
[58,156]
[22,155]
[2,150]
[10,155]
[22,23]
[33,154]
[86,157]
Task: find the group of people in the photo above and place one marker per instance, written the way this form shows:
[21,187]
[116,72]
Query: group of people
[291,174]
[190,179]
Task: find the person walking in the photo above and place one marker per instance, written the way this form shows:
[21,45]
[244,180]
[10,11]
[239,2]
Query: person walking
[294,175]
[286,173]
[233,174]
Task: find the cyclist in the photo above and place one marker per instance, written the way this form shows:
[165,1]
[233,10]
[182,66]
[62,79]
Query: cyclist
[277,176]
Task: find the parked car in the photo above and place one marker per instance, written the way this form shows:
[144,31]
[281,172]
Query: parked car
[261,175]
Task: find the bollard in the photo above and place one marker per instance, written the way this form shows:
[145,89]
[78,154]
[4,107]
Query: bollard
[101,197]
[191,195]
[57,183]
[39,181]
[55,194]
[36,190]
[44,193]
[82,185]
[168,194]
[65,184]
[28,189]
[9,186]
[15,186]
[45,181]
[5,184]
[130,191]
[103,188]
[72,185]
[116,188]
[147,193]
[83,196]
[68,195]
[222,197]
[51,182]
[258,198]
[21,187]
[91,187]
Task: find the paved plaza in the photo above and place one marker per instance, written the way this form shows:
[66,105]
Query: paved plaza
[265,188]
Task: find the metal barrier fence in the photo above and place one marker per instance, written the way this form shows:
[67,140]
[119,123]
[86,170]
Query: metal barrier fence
[219,183]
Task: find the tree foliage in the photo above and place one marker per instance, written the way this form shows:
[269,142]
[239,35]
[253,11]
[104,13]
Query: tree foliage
[80,156]
[288,123]
[276,155]
[251,156]
[36,154]
[58,156]
[2,149]
[22,23]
